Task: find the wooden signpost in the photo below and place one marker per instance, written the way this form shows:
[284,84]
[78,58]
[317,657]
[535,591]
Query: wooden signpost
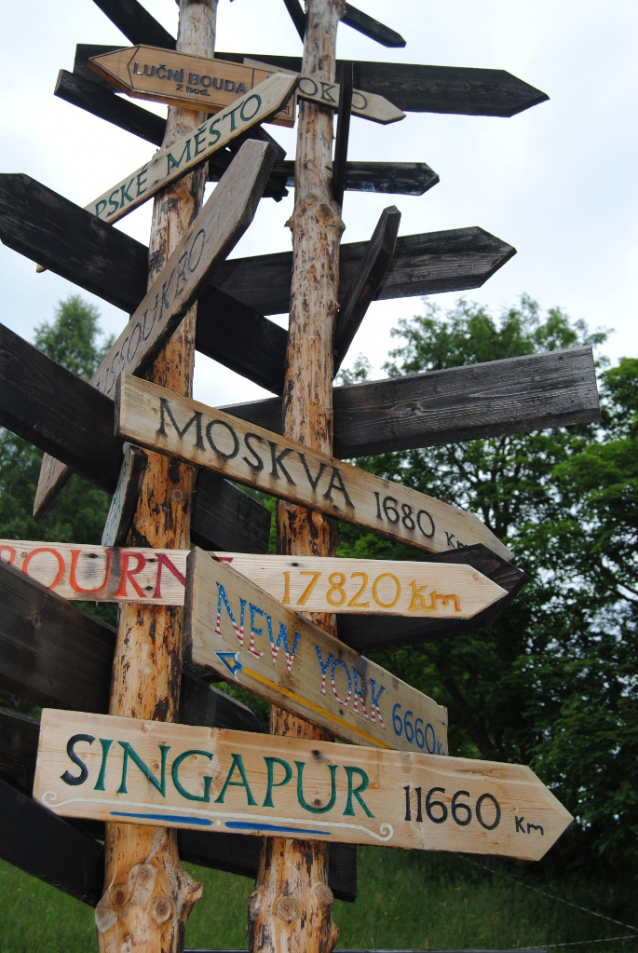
[147,772]
[247,636]
[152,417]
[181,79]
[210,238]
[191,150]
[308,584]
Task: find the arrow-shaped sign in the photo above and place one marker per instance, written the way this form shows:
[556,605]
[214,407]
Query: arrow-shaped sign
[148,772]
[191,150]
[182,79]
[162,420]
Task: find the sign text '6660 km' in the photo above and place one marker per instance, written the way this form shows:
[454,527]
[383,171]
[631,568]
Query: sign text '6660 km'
[148,772]
[154,417]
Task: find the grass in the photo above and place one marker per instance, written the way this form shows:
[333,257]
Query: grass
[406,901]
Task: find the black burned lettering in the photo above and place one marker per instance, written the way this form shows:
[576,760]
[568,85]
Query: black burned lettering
[313,482]
[145,333]
[67,777]
[235,439]
[520,827]
[165,408]
[336,483]
[277,463]
[201,238]
[325,92]
[134,337]
[430,534]
[181,272]
[449,537]
[535,827]
[166,287]
[358,100]
[259,465]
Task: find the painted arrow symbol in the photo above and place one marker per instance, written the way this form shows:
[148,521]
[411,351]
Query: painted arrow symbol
[230,660]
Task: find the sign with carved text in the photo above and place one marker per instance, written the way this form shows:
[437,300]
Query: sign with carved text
[305,583]
[247,636]
[153,417]
[182,79]
[149,772]
[191,150]
[209,240]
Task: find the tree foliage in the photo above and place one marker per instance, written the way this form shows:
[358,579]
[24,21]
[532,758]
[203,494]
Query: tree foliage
[553,682]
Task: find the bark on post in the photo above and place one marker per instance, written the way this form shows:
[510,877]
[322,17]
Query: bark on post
[290,908]
[148,896]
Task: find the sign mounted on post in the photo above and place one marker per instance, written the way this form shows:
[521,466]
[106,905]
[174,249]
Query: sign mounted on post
[181,79]
[211,237]
[148,772]
[247,636]
[193,149]
[304,583]
[153,417]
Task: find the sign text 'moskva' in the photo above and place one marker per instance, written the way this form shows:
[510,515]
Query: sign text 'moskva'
[153,417]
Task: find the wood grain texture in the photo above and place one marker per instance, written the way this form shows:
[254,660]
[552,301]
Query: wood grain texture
[18,749]
[439,89]
[49,848]
[307,671]
[210,237]
[383,813]
[151,417]
[193,148]
[368,634]
[515,395]
[136,23]
[371,28]
[430,263]
[364,287]
[123,502]
[52,653]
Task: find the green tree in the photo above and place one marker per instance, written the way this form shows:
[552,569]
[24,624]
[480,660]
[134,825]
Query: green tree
[553,682]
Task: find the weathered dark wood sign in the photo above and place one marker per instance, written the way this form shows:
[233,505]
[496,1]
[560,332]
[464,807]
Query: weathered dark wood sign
[210,238]
[147,772]
[305,583]
[182,79]
[247,636]
[193,149]
[153,417]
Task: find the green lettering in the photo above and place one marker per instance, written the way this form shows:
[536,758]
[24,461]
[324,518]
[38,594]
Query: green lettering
[98,210]
[124,191]
[300,796]
[232,117]
[141,182]
[270,765]
[239,764]
[106,744]
[214,132]
[129,752]
[365,781]
[176,781]
[171,161]
[114,205]
[199,146]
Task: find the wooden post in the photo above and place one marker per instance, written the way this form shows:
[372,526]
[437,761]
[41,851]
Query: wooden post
[147,896]
[290,908]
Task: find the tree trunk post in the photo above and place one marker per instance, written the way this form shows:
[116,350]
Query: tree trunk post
[147,895]
[290,909]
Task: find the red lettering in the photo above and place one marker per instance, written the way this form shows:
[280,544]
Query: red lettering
[75,555]
[46,549]
[8,549]
[163,560]
[129,573]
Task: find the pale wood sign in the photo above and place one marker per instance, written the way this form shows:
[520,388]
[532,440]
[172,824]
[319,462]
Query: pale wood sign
[148,772]
[369,586]
[211,237]
[124,500]
[305,583]
[247,636]
[154,417]
[191,150]
[181,79]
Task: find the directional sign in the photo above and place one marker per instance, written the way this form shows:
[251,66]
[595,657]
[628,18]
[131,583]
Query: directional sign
[369,586]
[417,590]
[149,772]
[248,637]
[154,417]
[193,149]
[182,79]
[211,237]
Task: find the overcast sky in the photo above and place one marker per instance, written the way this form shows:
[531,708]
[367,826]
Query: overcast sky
[555,181]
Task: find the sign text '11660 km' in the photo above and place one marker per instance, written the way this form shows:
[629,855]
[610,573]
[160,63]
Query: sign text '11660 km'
[148,772]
